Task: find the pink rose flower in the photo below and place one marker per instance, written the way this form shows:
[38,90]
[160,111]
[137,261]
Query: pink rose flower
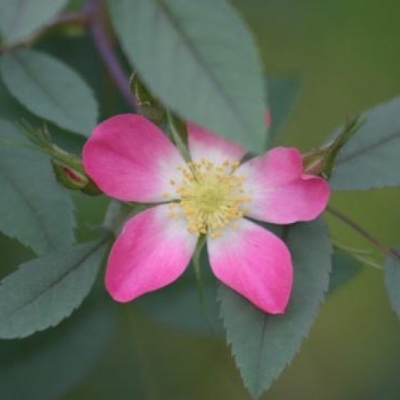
[130,159]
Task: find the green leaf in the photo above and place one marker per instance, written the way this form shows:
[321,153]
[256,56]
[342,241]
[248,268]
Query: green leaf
[263,344]
[34,208]
[9,107]
[44,291]
[19,19]
[51,363]
[282,93]
[179,305]
[50,89]
[371,157]
[344,268]
[392,279]
[12,110]
[199,59]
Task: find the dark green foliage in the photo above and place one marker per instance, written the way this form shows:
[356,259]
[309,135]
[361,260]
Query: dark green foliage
[49,364]
[392,279]
[35,208]
[263,344]
[50,89]
[282,93]
[20,19]
[205,73]
[344,268]
[43,292]
[371,158]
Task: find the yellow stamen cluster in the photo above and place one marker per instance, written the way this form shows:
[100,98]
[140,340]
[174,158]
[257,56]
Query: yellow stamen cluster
[211,196]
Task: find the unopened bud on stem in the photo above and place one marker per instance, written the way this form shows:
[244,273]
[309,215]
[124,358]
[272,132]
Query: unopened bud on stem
[67,167]
[321,161]
[69,171]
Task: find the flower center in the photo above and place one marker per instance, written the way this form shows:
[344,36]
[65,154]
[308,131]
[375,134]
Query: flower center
[211,196]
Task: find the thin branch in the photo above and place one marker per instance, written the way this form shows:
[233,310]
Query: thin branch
[364,233]
[105,50]
[90,18]
[76,18]
[73,17]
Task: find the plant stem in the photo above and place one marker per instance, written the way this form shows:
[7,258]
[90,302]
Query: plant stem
[105,50]
[90,18]
[77,18]
[73,17]
[364,233]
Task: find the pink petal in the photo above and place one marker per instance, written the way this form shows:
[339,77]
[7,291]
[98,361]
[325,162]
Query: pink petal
[254,263]
[279,192]
[208,145]
[129,158]
[152,251]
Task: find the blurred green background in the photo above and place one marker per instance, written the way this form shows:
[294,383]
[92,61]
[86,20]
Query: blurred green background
[346,56]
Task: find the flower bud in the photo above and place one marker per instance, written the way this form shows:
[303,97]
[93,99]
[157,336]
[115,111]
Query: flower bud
[69,172]
[321,161]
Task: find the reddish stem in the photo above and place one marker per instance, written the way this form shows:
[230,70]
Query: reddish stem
[364,233]
[105,50]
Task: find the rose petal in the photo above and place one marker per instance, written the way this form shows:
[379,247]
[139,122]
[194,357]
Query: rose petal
[205,144]
[254,263]
[279,192]
[152,251]
[130,159]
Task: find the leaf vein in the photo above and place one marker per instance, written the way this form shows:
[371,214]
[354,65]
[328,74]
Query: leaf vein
[192,49]
[368,148]
[31,74]
[49,239]
[57,281]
